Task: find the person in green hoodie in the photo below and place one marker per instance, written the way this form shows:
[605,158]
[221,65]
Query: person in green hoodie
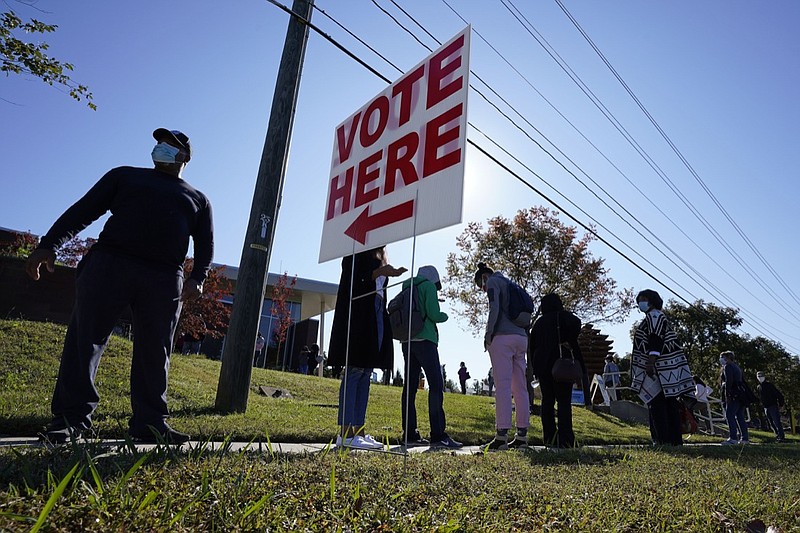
[424,355]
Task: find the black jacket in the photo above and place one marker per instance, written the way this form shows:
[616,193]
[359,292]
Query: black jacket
[770,395]
[544,337]
[364,351]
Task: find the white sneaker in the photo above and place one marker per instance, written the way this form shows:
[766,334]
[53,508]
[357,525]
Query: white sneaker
[369,439]
[358,443]
[744,441]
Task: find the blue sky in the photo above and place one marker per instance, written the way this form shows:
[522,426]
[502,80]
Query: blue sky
[719,77]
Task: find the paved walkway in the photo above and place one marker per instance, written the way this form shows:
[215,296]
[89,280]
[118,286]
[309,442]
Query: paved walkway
[299,448]
[287,447]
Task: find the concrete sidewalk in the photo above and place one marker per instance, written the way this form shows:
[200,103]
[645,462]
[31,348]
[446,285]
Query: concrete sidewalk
[120,445]
[261,447]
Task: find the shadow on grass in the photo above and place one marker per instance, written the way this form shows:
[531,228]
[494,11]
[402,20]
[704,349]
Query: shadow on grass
[755,456]
[22,425]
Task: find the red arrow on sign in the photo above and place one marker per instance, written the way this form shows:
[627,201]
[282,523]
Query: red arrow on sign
[366,222]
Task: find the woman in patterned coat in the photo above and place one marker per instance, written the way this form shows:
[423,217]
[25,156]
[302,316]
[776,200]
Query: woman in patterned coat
[659,370]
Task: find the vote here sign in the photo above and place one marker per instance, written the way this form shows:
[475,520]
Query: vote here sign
[398,162]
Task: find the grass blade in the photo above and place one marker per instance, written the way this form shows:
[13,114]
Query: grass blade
[51,502]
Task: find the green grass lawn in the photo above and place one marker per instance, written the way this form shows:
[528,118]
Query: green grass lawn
[91,488]
[30,358]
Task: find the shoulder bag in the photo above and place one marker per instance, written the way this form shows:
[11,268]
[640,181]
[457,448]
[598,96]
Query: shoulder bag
[566,369]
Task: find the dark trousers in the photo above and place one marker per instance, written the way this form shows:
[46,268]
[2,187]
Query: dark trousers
[106,284]
[665,420]
[425,356]
[773,413]
[737,421]
[553,392]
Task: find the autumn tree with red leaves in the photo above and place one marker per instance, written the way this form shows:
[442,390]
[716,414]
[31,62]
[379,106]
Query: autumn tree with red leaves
[22,246]
[207,314]
[280,308]
[69,254]
[543,255]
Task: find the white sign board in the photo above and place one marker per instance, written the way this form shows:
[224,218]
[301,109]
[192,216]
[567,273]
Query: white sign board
[398,162]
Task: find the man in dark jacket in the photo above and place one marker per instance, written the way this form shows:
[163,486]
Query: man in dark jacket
[137,261]
[772,399]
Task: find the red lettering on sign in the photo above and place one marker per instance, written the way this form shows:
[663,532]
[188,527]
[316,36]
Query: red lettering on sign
[340,193]
[381,106]
[405,88]
[435,139]
[403,164]
[439,70]
[345,146]
[367,175]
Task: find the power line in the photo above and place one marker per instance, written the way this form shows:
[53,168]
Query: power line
[754,321]
[487,154]
[677,152]
[614,165]
[539,38]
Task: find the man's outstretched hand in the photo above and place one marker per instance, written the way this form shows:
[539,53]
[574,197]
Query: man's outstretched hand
[39,257]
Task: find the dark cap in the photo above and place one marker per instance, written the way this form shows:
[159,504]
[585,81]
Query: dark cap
[177,137]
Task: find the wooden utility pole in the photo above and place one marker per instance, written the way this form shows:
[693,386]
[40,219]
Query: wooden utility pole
[251,282]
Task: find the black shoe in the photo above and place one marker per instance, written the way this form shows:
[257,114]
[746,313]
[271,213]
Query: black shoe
[497,444]
[518,442]
[415,441]
[446,442]
[54,435]
[168,436]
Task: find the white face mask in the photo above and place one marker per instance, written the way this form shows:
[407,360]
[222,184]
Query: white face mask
[761,379]
[644,306]
[164,153]
[723,361]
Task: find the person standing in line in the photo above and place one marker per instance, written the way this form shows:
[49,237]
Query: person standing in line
[554,327]
[314,359]
[463,376]
[137,261]
[361,339]
[773,401]
[611,377]
[659,371]
[424,355]
[193,341]
[507,345]
[259,357]
[302,360]
[735,402]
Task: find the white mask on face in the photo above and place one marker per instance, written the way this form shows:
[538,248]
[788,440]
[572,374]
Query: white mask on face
[164,153]
[644,306]
[723,361]
[761,379]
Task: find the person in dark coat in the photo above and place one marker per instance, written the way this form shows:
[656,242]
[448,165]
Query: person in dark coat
[553,325]
[302,360]
[313,359]
[137,261]
[463,376]
[369,343]
[772,399]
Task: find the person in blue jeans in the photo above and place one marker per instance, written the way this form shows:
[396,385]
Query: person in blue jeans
[422,352]
[361,339]
[731,377]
